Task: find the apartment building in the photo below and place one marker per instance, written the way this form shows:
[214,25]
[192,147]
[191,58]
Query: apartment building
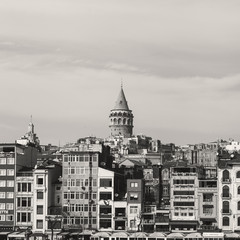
[135,200]
[105,194]
[229,193]
[44,178]
[208,204]
[80,189]
[13,157]
[184,204]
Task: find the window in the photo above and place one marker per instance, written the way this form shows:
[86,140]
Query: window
[208,209]
[23,217]
[2,217]
[226,207]
[132,224]
[94,158]
[9,206]
[2,183]
[39,180]
[225,221]
[39,224]
[65,158]
[226,175]
[9,217]
[39,195]
[183,192]
[2,172]
[94,182]
[39,209]
[238,221]
[105,182]
[10,183]
[238,205]
[238,190]
[133,209]
[24,187]
[2,206]
[134,184]
[207,197]
[133,196]
[10,161]
[105,195]
[225,191]
[2,161]
[10,172]
[9,194]
[24,202]
[2,194]
[238,174]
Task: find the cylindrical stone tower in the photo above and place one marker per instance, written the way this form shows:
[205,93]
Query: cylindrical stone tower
[121,118]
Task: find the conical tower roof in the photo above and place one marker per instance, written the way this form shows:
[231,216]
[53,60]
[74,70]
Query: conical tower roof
[121,103]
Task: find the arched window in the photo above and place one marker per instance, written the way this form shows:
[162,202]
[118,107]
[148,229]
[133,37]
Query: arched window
[238,205]
[225,175]
[238,221]
[119,121]
[225,221]
[115,121]
[128,121]
[238,174]
[119,114]
[225,191]
[124,121]
[238,189]
[225,207]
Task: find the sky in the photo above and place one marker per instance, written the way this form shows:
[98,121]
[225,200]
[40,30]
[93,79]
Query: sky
[63,61]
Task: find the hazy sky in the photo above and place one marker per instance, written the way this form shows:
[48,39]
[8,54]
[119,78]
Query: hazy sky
[62,61]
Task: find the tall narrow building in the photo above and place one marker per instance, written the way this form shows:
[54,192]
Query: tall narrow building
[121,117]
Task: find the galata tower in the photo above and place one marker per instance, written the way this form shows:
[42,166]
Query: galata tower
[121,118]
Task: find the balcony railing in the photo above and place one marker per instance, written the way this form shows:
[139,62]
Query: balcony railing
[226,180]
[148,221]
[226,211]
[207,227]
[226,196]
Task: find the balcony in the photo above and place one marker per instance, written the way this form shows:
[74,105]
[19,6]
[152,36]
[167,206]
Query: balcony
[208,228]
[226,180]
[162,220]
[105,215]
[226,211]
[148,221]
[226,196]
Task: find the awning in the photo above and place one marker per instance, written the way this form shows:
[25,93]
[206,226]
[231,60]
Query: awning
[156,235]
[181,222]
[4,233]
[232,235]
[209,219]
[194,235]
[101,234]
[63,233]
[17,235]
[175,235]
[138,235]
[38,234]
[120,235]
[213,234]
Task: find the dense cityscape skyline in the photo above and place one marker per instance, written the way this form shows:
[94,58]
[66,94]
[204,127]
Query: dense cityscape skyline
[63,63]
